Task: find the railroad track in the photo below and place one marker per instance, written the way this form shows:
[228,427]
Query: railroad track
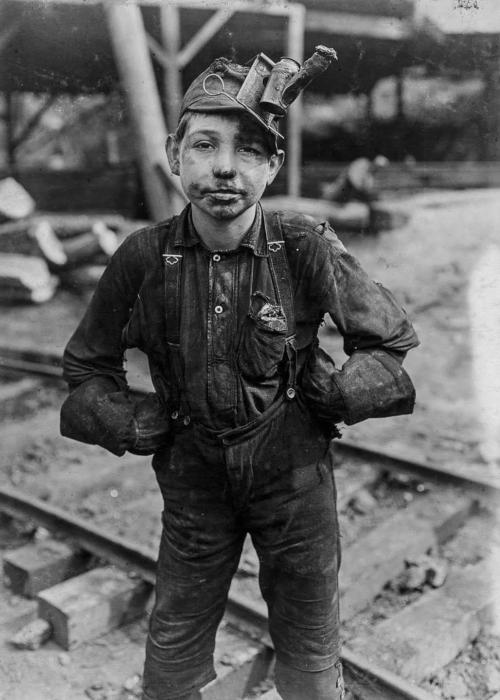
[420,547]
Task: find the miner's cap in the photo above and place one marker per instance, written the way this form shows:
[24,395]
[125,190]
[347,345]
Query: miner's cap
[227,87]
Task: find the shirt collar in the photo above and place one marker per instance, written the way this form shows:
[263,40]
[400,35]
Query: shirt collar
[255,238]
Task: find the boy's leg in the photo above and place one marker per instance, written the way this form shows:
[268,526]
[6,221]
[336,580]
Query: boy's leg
[295,531]
[303,685]
[199,553]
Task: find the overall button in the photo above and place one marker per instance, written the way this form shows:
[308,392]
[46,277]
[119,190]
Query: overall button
[187,420]
[218,309]
[216,257]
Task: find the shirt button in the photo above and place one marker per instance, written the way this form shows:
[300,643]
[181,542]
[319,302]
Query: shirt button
[218,309]
[216,257]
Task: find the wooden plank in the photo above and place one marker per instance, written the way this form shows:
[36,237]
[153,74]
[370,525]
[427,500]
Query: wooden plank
[410,532]
[431,632]
[32,568]
[92,604]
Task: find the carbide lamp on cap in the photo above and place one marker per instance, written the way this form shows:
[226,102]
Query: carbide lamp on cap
[264,89]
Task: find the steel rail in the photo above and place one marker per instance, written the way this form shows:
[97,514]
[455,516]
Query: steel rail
[367,680]
[458,474]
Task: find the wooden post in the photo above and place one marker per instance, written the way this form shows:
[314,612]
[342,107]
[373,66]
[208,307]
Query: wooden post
[170,33]
[295,49]
[128,38]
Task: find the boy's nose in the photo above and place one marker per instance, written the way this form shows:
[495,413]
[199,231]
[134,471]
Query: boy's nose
[223,165]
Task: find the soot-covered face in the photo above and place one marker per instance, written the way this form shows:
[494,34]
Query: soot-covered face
[224,161]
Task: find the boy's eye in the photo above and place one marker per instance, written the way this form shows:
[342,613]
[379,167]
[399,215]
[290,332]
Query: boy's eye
[203,145]
[251,150]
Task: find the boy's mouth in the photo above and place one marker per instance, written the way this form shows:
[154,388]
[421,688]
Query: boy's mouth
[224,193]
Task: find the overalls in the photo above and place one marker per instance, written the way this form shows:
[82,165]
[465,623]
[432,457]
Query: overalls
[271,478]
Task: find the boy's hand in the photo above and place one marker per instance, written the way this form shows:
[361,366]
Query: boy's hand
[152,426]
[97,413]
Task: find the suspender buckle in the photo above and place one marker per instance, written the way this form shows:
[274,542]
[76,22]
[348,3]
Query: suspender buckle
[290,393]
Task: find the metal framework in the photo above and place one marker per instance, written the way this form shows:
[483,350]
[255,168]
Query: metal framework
[173,58]
[129,37]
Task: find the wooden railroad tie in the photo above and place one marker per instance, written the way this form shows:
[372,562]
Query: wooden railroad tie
[376,558]
[34,567]
[432,631]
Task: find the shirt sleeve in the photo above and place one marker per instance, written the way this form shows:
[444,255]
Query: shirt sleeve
[365,313]
[377,334]
[95,348]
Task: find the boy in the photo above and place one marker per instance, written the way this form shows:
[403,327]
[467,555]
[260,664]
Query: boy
[226,301]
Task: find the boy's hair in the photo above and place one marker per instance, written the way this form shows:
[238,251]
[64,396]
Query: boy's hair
[268,138]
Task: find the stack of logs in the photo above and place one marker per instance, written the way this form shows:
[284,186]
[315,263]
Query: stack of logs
[40,252]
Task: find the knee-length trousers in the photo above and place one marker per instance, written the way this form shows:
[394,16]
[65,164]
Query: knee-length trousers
[274,480]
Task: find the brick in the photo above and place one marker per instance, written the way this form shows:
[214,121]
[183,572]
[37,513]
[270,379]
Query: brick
[92,604]
[34,567]
[431,632]
[379,556]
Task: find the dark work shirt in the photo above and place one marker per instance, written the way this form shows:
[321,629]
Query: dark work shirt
[232,372]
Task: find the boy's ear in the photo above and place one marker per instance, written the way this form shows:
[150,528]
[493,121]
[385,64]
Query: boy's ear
[173,154]
[275,162]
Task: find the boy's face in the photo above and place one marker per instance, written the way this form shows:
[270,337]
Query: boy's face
[224,163]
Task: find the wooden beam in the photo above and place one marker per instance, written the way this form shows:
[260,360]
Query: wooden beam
[295,49]
[129,42]
[92,604]
[157,50]
[348,24]
[281,10]
[203,36]
[33,122]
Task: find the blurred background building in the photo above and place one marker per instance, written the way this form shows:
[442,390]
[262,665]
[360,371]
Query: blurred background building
[413,81]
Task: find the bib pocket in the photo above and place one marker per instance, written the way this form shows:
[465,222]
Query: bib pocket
[263,336]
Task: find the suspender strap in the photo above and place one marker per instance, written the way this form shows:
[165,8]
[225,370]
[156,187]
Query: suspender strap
[280,272]
[173,299]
